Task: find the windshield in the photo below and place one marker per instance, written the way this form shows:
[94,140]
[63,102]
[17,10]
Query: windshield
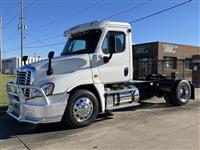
[82,43]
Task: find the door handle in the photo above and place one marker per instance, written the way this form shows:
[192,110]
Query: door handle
[125,71]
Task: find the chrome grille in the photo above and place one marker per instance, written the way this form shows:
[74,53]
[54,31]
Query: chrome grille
[24,78]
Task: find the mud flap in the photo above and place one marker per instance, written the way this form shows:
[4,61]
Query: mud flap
[192,91]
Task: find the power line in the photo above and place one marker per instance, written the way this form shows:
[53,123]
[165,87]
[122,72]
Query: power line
[15,16]
[159,12]
[153,14]
[29,5]
[60,43]
[66,17]
[45,44]
[156,13]
[13,50]
[11,37]
[127,10]
[11,20]
[114,15]
[53,22]
[39,41]
[48,38]
[39,46]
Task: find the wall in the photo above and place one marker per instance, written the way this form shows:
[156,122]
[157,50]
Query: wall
[181,52]
[9,66]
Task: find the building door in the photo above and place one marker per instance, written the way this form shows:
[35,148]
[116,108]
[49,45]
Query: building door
[196,70]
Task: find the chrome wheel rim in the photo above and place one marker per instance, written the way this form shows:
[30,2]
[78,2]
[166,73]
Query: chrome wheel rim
[83,109]
[183,93]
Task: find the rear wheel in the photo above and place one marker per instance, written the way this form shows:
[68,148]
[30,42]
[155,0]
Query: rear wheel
[82,109]
[180,95]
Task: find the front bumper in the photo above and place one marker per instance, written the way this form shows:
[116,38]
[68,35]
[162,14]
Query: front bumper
[44,109]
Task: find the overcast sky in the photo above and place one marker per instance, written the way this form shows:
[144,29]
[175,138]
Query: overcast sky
[46,21]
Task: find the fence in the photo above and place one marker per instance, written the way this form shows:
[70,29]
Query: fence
[171,68]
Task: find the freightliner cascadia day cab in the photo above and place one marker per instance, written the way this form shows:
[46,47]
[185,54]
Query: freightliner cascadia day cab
[93,75]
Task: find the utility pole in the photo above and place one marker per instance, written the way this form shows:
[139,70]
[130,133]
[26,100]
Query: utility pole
[1,46]
[22,27]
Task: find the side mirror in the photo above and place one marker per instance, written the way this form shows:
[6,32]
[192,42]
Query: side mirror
[24,59]
[50,69]
[51,54]
[111,42]
[106,59]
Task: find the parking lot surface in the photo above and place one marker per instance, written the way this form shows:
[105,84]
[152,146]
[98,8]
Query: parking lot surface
[153,125]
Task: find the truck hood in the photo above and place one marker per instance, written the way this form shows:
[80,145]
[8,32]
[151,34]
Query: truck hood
[61,65]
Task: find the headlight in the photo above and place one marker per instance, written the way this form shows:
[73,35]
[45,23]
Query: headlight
[47,88]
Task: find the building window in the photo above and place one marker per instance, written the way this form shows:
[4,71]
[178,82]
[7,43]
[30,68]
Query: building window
[142,49]
[169,62]
[188,63]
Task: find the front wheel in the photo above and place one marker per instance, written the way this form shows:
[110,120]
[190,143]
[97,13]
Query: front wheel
[82,109]
[180,94]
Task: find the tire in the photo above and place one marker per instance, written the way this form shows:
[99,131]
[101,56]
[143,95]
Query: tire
[82,109]
[180,94]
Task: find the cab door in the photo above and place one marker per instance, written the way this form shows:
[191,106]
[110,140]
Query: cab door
[115,63]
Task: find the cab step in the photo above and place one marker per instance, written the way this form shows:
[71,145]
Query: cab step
[121,98]
[119,91]
[122,106]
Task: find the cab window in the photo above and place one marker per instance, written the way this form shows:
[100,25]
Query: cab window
[82,43]
[119,38]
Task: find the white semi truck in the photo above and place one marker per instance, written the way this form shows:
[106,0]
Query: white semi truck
[93,75]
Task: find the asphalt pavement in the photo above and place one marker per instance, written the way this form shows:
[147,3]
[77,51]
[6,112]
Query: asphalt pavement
[151,126]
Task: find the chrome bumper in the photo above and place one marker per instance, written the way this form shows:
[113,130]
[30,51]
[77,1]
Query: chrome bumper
[44,109]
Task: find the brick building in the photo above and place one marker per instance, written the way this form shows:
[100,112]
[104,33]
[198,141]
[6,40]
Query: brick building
[164,58]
